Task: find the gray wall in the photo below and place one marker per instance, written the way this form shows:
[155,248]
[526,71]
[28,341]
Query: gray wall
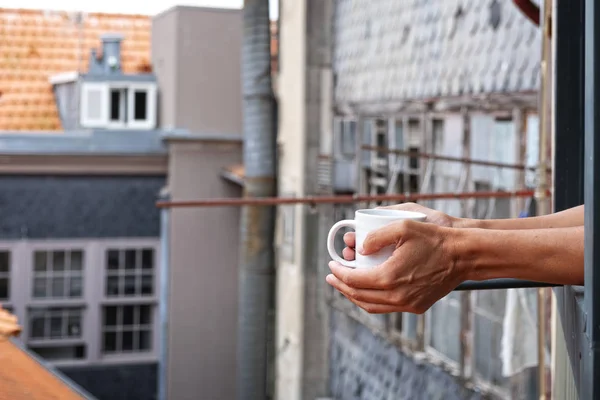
[204,273]
[67,102]
[71,207]
[363,366]
[196,53]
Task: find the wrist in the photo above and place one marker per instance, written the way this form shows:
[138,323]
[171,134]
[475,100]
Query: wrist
[468,223]
[469,249]
[460,252]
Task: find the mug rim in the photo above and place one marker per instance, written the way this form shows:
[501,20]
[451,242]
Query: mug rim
[390,214]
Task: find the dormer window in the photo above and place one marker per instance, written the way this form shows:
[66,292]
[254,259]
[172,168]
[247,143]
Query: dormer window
[118,105]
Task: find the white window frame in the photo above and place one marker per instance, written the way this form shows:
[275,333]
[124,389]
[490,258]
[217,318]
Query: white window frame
[150,121]
[92,302]
[122,122]
[130,122]
[151,300]
[102,120]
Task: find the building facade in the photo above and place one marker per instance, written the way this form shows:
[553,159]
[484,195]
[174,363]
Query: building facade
[109,288]
[396,97]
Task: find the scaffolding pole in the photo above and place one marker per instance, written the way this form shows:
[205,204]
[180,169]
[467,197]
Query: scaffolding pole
[339,199]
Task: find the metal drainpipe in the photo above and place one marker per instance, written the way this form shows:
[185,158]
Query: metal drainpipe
[163,307]
[256,263]
[541,192]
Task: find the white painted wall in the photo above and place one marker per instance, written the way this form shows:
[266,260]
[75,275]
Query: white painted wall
[291,140]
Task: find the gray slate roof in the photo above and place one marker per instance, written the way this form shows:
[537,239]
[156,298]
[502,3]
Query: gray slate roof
[101,142]
[84,142]
[396,50]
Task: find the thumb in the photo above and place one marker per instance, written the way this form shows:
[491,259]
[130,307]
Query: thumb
[389,235]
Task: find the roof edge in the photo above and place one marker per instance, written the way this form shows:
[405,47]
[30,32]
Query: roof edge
[178,135]
[63,77]
[197,8]
[54,371]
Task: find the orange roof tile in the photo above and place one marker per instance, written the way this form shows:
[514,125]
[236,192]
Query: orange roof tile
[37,44]
[22,377]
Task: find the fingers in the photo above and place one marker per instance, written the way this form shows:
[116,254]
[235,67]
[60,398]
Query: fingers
[405,207]
[362,295]
[348,254]
[350,239]
[376,308]
[380,238]
[363,278]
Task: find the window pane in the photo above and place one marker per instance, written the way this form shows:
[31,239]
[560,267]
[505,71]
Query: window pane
[144,339]
[110,341]
[115,105]
[487,347]
[58,261]
[127,341]
[112,261]
[445,330]
[147,284]
[110,316]
[37,327]
[56,326]
[56,353]
[39,287]
[147,259]
[410,322]
[112,286]
[74,325]
[40,261]
[128,315]
[130,259]
[129,285]
[4,288]
[4,261]
[76,286]
[58,287]
[76,261]
[140,111]
[145,315]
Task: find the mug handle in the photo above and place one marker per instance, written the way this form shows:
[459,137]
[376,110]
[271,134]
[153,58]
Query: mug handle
[347,223]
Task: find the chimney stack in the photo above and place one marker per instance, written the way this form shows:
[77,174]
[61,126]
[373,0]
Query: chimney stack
[111,53]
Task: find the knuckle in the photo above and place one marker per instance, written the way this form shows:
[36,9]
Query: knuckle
[348,280]
[387,281]
[399,299]
[353,293]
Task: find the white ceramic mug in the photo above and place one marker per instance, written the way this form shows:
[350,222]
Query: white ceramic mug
[364,222]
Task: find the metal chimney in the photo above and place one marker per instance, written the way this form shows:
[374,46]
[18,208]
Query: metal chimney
[111,52]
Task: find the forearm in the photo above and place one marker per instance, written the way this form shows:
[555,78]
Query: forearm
[571,217]
[541,255]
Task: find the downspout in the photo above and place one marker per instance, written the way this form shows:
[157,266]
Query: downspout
[163,308]
[541,192]
[257,225]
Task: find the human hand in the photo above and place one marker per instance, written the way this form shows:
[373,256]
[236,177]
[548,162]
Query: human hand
[433,217]
[422,269]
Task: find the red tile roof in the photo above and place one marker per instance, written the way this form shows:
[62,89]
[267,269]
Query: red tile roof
[21,376]
[37,44]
